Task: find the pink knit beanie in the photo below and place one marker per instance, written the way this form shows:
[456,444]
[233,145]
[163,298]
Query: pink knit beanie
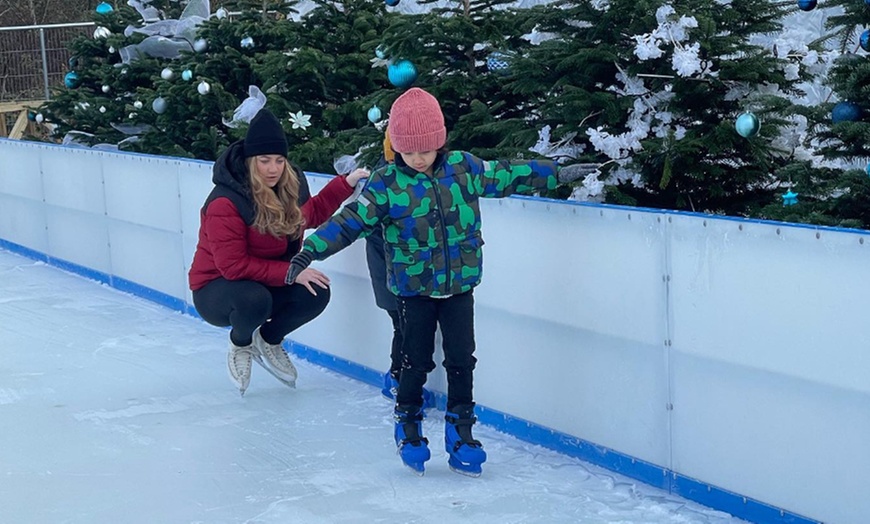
[416,123]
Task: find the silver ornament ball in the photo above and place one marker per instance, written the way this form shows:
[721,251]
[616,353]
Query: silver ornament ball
[200,45]
[159,105]
[203,88]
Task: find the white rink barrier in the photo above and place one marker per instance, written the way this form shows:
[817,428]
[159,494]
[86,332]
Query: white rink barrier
[724,360]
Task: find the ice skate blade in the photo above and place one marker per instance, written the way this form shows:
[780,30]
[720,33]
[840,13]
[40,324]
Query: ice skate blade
[466,473]
[290,384]
[463,469]
[414,469]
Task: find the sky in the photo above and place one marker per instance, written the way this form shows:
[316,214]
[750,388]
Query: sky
[115,409]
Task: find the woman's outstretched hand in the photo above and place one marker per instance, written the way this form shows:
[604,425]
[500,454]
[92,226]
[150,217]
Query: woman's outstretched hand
[311,277]
[356,175]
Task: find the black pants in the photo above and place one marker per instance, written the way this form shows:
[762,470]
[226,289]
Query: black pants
[246,305]
[396,360]
[420,318]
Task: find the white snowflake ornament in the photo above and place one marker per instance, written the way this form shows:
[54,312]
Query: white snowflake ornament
[300,121]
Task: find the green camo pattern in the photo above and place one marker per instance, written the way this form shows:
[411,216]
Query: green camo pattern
[431,224]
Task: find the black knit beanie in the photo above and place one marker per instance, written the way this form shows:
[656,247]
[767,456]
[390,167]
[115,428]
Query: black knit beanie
[265,136]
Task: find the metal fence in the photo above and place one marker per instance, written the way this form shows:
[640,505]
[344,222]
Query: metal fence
[34,59]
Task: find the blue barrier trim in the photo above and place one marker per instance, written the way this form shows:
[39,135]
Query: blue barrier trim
[708,495]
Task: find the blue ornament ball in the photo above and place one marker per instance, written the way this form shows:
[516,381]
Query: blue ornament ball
[381,51]
[73,62]
[498,62]
[392,3]
[865,40]
[845,112]
[104,8]
[402,73]
[807,5]
[71,80]
[31,115]
[374,115]
[747,125]
[867,169]
[187,75]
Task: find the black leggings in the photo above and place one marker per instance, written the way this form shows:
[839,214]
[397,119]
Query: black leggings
[246,305]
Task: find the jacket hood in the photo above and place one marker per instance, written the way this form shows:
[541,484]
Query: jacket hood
[230,170]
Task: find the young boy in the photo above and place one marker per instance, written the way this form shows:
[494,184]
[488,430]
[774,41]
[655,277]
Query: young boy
[427,204]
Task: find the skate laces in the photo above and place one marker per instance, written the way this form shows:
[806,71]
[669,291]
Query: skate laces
[275,355]
[244,363]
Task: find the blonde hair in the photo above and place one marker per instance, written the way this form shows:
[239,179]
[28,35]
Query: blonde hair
[276,210]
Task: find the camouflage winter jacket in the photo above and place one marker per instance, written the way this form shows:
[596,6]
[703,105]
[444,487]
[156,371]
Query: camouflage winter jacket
[431,224]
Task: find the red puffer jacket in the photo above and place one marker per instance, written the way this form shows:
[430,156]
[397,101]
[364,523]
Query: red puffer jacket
[230,247]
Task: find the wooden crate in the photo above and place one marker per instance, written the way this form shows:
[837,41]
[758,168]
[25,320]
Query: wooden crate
[16,113]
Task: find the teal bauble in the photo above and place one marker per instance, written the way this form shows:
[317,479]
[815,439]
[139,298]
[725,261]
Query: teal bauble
[402,73]
[71,80]
[381,51]
[374,115]
[187,75]
[747,125]
[104,8]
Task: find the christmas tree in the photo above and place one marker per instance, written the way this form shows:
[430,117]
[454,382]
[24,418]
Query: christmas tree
[103,102]
[173,86]
[833,186]
[461,53]
[656,102]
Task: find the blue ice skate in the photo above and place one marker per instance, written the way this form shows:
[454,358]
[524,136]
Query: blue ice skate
[412,446]
[391,388]
[466,454]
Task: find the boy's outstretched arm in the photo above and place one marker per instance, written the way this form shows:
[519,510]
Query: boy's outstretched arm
[356,220]
[501,178]
[575,171]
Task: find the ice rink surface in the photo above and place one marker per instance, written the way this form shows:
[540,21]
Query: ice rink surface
[117,410]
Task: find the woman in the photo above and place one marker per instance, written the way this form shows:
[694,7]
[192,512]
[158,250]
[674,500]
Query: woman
[251,226]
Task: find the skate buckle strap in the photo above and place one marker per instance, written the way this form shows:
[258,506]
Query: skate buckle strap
[472,443]
[456,421]
[414,441]
[466,423]
[406,418]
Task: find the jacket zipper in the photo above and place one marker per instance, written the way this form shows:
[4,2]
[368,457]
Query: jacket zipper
[446,249]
